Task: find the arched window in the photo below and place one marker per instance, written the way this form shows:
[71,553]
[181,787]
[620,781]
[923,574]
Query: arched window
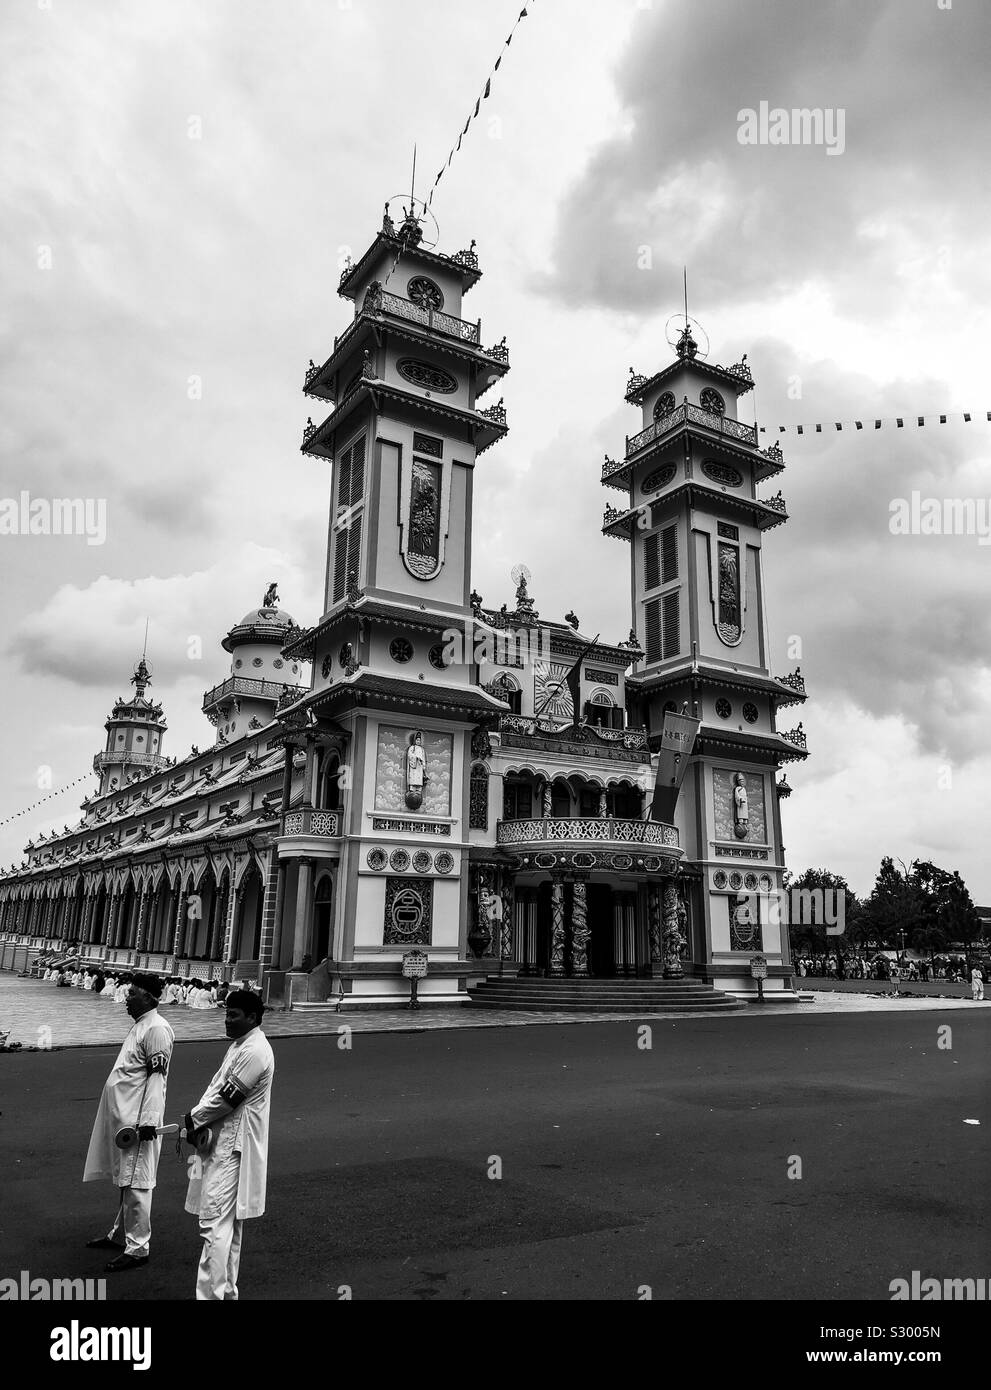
[506,688]
[478,798]
[329,795]
[560,800]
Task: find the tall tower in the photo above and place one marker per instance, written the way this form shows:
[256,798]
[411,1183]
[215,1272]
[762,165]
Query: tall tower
[387,724]
[696,526]
[135,735]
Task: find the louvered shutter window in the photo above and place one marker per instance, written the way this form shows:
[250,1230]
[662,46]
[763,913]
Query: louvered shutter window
[669,554]
[652,623]
[651,561]
[672,625]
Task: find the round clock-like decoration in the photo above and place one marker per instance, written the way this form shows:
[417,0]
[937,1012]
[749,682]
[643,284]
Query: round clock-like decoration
[376,859]
[719,879]
[765,883]
[722,473]
[444,862]
[436,657]
[750,882]
[426,376]
[400,650]
[257,661]
[278,663]
[422,861]
[751,713]
[723,708]
[665,405]
[425,292]
[712,402]
[551,694]
[345,656]
[399,861]
[238,664]
[736,882]
[659,478]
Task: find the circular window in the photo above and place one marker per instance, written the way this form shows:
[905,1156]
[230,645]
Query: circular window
[400,650]
[712,402]
[295,669]
[424,292]
[437,658]
[346,655]
[256,661]
[723,708]
[278,663]
[427,377]
[722,473]
[238,664]
[719,879]
[665,405]
[399,860]
[139,738]
[751,713]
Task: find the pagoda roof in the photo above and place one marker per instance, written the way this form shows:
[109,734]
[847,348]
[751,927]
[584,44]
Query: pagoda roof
[353,275]
[304,644]
[738,377]
[784,749]
[765,514]
[484,427]
[367,685]
[786,690]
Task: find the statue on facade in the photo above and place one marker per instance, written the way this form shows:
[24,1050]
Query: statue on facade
[416,764]
[271,598]
[741,807]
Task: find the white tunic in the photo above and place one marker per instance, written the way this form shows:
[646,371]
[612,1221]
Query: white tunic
[247,1069]
[144,1057]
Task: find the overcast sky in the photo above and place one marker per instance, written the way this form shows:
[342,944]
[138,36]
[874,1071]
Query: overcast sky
[136,258]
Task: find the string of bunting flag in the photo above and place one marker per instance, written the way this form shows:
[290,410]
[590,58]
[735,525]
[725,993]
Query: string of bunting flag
[484,96]
[50,797]
[899,421]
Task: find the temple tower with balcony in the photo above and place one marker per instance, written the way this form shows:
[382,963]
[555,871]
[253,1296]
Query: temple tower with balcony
[260,675]
[695,522]
[135,735]
[374,858]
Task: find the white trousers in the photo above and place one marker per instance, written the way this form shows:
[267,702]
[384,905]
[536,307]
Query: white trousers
[216,1277]
[977,988]
[134,1219]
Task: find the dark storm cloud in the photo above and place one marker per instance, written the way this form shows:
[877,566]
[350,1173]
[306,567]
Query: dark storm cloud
[911,79]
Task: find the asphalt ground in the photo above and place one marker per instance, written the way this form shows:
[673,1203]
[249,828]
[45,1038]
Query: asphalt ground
[554,1163]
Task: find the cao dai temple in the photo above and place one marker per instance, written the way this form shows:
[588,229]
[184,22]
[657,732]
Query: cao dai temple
[420,770]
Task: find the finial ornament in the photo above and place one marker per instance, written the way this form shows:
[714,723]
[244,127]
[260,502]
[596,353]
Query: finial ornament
[271,599]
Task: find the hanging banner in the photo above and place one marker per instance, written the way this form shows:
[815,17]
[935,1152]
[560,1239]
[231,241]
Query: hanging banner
[678,734]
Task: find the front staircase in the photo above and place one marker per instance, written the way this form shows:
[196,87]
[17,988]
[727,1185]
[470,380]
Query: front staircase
[600,996]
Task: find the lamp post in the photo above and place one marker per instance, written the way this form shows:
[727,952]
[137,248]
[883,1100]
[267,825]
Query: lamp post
[901,938]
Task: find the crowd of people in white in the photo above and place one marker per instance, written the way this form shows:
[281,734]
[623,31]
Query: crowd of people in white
[194,994]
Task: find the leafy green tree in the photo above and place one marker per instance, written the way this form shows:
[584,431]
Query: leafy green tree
[895,906]
[958,917]
[822,882]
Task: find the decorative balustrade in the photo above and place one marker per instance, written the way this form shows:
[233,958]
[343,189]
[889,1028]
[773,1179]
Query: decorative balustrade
[117,757]
[326,824]
[587,830]
[687,413]
[529,726]
[236,687]
[385,301]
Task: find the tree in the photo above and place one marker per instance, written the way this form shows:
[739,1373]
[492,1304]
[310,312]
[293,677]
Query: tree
[957,915]
[830,898]
[895,906]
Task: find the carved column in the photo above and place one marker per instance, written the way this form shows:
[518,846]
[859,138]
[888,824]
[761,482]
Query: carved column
[557,927]
[673,939]
[228,954]
[580,932]
[507,935]
[108,935]
[218,914]
[548,802]
[654,924]
[173,947]
[603,805]
[139,930]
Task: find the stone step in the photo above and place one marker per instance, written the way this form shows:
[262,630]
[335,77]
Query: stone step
[601,995]
[589,1006]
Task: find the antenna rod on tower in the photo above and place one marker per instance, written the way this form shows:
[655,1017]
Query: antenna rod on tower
[412,183]
[686,296]
[144,652]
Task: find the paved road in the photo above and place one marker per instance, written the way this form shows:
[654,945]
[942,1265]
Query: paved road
[620,1167]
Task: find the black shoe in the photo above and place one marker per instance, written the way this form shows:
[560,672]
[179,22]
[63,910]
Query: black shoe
[126,1261]
[104,1243]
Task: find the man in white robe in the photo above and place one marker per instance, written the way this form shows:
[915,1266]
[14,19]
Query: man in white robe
[227,1187]
[133,1095]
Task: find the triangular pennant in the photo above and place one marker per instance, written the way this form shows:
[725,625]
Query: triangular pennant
[800,428]
[877,424]
[838,425]
[922,421]
[966,418]
[859,424]
[818,429]
[488,89]
[498,61]
[942,419]
[900,423]
[478,107]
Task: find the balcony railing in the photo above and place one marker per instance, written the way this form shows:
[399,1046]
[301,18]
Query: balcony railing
[587,830]
[429,318]
[326,824]
[118,757]
[530,727]
[693,414]
[238,687]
